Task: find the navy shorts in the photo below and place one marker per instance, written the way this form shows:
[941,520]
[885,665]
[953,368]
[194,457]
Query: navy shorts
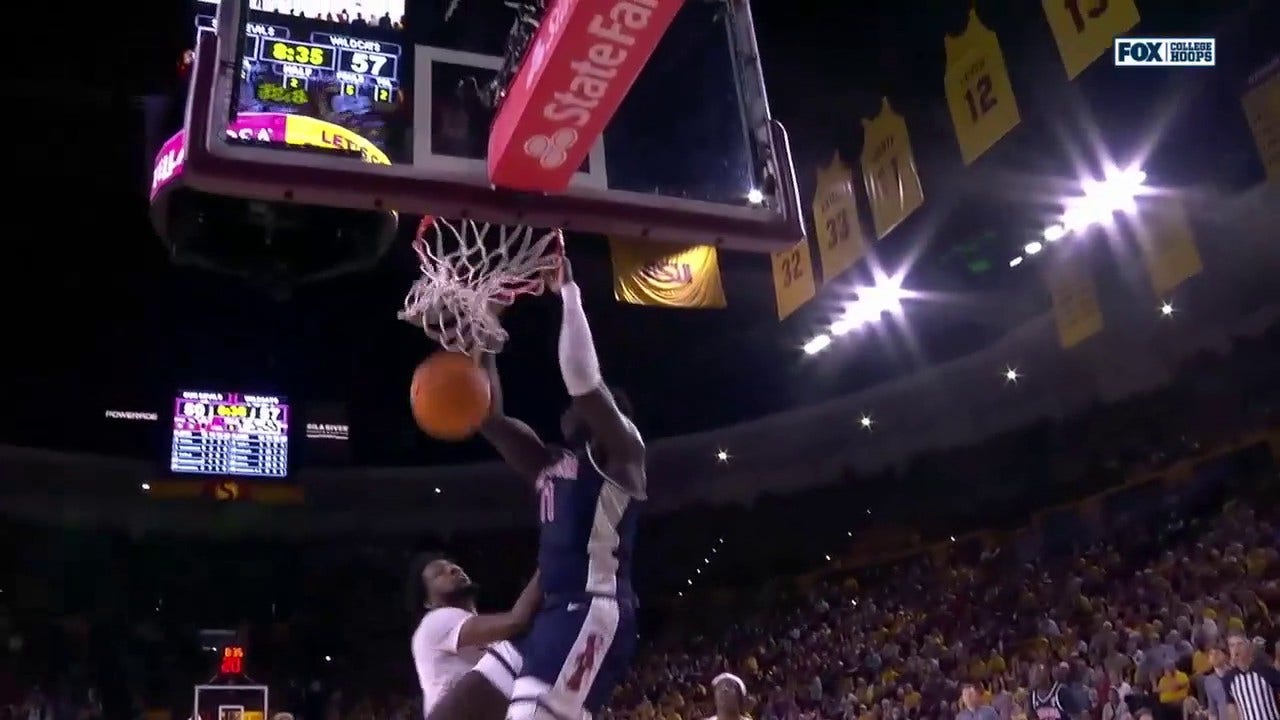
[572,658]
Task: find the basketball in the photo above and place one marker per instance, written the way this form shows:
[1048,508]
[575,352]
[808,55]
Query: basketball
[449,396]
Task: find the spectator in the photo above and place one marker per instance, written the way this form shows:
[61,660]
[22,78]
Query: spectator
[1214,693]
[1115,707]
[1173,688]
[971,707]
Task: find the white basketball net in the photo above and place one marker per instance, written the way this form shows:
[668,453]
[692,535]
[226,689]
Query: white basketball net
[465,274]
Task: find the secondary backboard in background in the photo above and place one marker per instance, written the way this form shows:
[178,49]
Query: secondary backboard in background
[690,156]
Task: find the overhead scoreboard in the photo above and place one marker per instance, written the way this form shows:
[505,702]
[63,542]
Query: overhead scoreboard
[303,66]
[230,434]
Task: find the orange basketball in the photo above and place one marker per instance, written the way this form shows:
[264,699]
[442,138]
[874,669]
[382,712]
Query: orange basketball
[449,396]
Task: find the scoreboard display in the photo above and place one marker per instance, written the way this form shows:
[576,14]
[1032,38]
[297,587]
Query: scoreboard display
[346,75]
[230,434]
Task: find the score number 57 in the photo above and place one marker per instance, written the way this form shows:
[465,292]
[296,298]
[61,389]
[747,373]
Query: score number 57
[366,63]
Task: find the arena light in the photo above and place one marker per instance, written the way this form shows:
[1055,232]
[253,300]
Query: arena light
[722,455]
[1166,309]
[866,422]
[1033,247]
[146,487]
[1016,261]
[1054,232]
[817,344]
[1011,375]
[754,196]
[1102,199]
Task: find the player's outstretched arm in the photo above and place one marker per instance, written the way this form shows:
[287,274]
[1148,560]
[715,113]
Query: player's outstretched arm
[515,441]
[483,630]
[580,369]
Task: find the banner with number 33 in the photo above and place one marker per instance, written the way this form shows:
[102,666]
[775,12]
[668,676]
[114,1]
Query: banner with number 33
[1085,29]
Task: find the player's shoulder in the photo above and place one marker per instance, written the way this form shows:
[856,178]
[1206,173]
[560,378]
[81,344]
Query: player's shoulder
[439,622]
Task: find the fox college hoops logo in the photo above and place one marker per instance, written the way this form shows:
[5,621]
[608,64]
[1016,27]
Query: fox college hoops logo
[1165,52]
[551,152]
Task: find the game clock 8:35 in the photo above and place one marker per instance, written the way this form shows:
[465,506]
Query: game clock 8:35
[298,54]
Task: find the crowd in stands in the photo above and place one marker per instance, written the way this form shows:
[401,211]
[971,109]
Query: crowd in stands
[884,607]
[1125,622]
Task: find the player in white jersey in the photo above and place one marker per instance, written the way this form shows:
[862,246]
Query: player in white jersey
[451,636]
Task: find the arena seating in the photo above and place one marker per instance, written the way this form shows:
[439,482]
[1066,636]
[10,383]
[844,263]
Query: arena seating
[1114,543]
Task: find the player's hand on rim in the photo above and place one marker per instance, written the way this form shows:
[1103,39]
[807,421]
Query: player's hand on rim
[560,275]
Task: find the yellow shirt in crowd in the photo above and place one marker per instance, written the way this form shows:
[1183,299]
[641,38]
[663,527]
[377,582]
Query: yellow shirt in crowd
[1200,663]
[1173,687]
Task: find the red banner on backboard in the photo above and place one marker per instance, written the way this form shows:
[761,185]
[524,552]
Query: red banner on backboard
[579,66]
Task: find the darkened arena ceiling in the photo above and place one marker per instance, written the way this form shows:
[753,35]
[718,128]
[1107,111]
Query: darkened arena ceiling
[104,320]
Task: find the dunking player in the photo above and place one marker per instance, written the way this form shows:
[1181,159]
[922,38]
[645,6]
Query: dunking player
[582,639]
[451,637]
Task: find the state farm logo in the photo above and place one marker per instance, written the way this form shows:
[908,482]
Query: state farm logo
[613,36]
[549,30]
[551,152]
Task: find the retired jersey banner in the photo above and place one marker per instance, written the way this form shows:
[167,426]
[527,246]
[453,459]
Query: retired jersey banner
[979,93]
[835,217]
[1075,299]
[1262,107]
[657,275]
[889,170]
[1168,244]
[793,283]
[1085,29]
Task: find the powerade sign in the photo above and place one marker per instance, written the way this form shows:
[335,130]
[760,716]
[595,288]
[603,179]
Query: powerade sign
[1165,52]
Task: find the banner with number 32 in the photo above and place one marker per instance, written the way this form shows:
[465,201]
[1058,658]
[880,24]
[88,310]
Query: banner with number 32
[1085,29]
[793,283]
[979,93]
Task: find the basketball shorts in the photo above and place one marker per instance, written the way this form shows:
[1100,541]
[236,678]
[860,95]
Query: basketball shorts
[568,664]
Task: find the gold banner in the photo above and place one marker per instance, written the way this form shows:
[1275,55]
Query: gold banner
[1262,108]
[1168,244]
[1085,29]
[835,218]
[1075,299]
[889,170]
[657,275]
[978,91]
[793,283]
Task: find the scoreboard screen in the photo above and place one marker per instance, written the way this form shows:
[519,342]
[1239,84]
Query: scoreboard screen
[343,74]
[230,434]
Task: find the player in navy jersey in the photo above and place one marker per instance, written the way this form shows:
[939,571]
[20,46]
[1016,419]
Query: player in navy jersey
[589,497]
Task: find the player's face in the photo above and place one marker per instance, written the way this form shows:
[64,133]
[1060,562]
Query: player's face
[444,581]
[728,699]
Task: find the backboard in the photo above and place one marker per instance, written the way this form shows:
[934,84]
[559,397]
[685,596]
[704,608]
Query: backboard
[689,153]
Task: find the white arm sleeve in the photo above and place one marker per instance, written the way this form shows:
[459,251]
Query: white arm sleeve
[578,363]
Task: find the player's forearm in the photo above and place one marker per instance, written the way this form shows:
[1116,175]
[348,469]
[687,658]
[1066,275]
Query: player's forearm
[483,630]
[579,365]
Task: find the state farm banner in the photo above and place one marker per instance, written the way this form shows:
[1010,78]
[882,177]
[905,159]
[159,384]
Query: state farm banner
[579,66]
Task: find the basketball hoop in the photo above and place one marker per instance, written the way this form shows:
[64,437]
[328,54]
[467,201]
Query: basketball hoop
[466,275]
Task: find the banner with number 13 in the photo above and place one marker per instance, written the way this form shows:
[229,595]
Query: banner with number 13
[1085,29]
